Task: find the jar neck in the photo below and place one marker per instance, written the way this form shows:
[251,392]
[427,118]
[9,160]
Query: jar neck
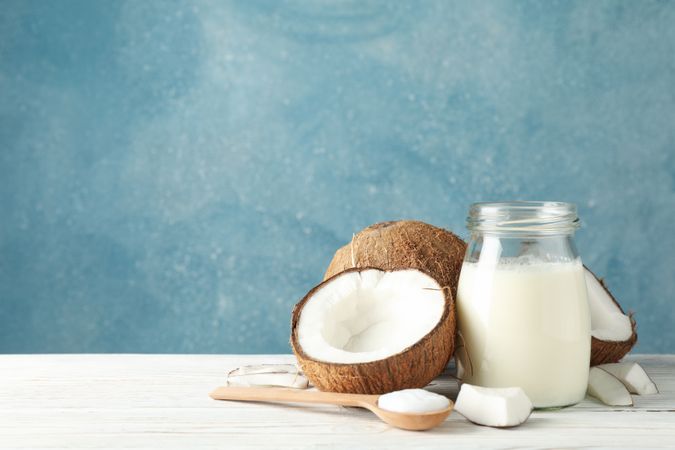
[523,219]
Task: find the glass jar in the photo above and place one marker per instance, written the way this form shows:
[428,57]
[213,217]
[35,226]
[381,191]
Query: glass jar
[522,305]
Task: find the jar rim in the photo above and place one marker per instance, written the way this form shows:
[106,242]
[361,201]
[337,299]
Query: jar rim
[518,217]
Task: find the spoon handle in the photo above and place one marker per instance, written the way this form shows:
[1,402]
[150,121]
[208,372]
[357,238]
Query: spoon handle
[263,394]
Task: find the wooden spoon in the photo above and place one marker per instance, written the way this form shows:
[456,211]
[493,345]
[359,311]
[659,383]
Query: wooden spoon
[406,421]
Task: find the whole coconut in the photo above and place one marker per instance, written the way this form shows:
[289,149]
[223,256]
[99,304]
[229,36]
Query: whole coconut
[404,244]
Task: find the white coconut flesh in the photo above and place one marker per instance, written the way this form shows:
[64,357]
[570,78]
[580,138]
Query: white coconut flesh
[608,323]
[369,315]
[633,376]
[493,407]
[607,388]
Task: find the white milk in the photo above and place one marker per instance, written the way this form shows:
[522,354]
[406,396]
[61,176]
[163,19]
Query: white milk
[525,325]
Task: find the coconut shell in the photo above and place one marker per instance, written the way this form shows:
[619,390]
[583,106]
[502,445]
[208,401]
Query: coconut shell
[404,244]
[414,367]
[603,352]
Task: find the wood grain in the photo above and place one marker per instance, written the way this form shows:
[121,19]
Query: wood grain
[153,401]
[285,395]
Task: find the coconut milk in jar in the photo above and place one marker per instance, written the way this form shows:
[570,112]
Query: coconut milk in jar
[522,305]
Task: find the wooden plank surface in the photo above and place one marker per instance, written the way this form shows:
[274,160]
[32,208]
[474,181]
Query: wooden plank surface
[161,401]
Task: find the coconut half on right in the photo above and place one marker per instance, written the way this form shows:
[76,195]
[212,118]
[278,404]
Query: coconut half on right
[613,331]
[372,331]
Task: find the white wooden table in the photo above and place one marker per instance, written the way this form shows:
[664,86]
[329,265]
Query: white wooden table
[160,401]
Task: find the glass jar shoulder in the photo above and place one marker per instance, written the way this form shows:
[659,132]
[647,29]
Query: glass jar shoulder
[521,250]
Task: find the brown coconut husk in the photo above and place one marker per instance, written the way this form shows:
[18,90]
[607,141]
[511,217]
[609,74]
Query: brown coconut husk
[603,352]
[414,367]
[404,244]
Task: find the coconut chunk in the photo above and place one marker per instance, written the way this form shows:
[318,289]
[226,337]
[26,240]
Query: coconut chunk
[607,388]
[493,407]
[633,376]
[268,375]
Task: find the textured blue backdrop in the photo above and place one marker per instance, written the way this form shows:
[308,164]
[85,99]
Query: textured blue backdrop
[175,175]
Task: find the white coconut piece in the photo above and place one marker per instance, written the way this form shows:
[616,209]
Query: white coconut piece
[608,322]
[633,376]
[607,388]
[369,315]
[268,375]
[493,407]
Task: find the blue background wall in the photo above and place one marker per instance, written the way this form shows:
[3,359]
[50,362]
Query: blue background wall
[175,175]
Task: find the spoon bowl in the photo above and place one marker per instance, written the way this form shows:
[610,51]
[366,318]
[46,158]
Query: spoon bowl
[412,421]
[406,421]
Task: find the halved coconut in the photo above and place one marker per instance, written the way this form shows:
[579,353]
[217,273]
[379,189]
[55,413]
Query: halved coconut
[404,244]
[371,331]
[613,332]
